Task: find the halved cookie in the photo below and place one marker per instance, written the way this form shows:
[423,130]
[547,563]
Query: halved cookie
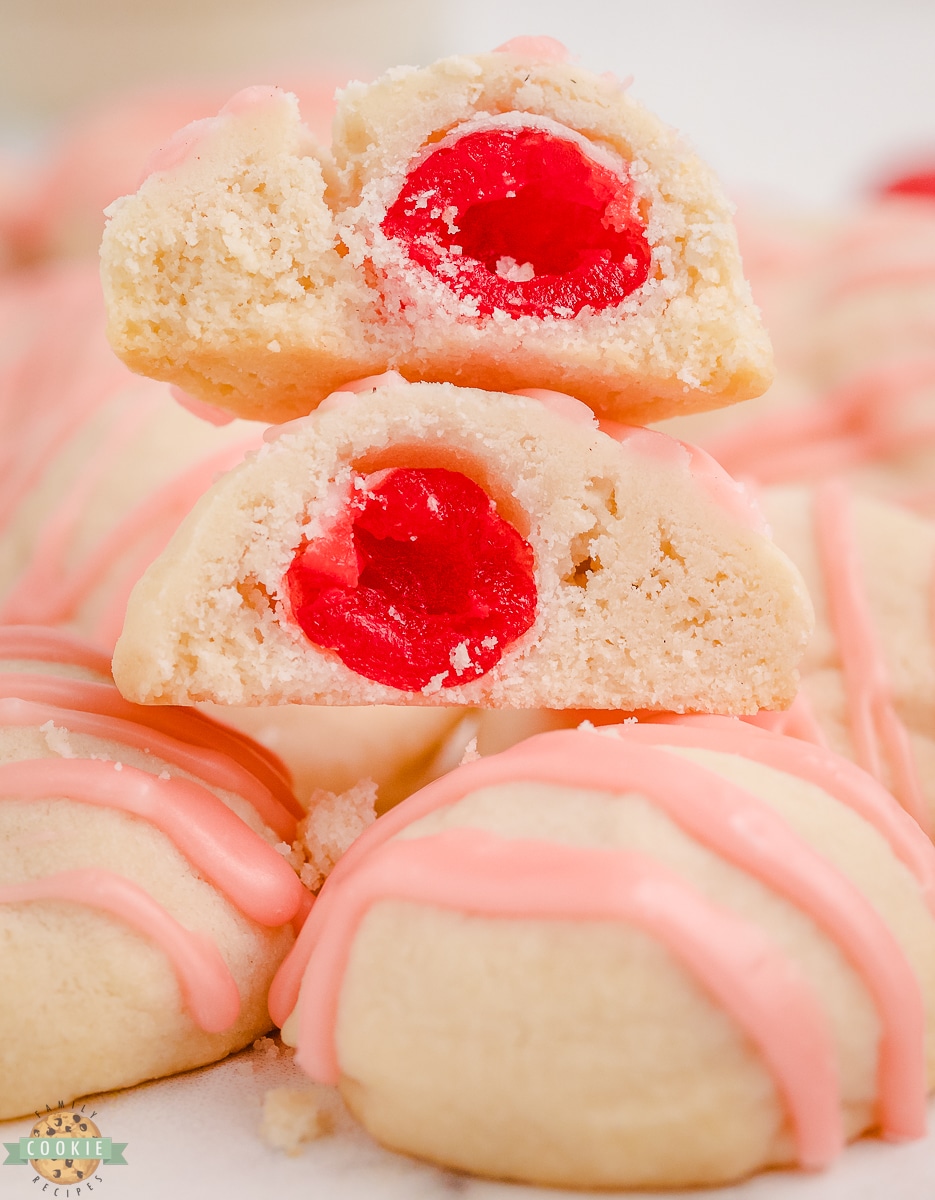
[503,221]
[427,544]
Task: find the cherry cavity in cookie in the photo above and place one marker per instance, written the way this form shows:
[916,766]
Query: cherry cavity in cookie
[420,583]
[522,220]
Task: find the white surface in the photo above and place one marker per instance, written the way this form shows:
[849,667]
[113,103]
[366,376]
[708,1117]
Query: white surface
[196,1137]
[799,99]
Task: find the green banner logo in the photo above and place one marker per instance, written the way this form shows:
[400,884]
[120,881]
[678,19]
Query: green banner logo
[57,1149]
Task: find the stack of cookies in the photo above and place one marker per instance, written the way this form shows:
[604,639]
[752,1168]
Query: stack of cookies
[673,951]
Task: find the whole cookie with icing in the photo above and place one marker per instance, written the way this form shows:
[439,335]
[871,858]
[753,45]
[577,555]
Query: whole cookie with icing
[429,544]
[144,906]
[667,956]
[506,220]
[868,675]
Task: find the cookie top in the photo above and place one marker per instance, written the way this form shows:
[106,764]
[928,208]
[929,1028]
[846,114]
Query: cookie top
[725,844]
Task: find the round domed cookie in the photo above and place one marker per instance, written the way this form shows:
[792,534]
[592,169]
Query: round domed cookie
[661,955]
[429,544]
[505,220]
[868,674]
[144,906]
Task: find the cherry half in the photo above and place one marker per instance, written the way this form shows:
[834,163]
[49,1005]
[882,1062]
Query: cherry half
[420,581]
[919,183]
[521,220]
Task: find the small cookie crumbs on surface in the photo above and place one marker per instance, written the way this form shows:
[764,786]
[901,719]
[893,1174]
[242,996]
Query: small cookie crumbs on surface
[471,753]
[334,821]
[292,1116]
[268,1047]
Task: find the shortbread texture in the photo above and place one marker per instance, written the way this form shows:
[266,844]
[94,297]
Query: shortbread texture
[254,272]
[652,593]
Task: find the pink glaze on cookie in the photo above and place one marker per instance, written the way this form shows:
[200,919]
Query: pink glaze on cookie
[520,219]
[205,982]
[208,765]
[222,847]
[539,49]
[420,583]
[731,822]
[188,141]
[876,729]
[475,873]
[50,391]
[727,493]
[186,724]
[866,419]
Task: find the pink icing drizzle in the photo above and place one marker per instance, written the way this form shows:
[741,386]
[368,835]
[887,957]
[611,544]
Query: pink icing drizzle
[857,422]
[48,393]
[45,592]
[561,403]
[876,729]
[207,986]
[201,408]
[39,644]
[540,49]
[183,144]
[189,725]
[473,872]
[209,765]
[815,763]
[253,876]
[732,822]
[733,497]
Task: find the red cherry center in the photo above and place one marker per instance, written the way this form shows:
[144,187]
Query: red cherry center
[521,220]
[420,583]
[920,183]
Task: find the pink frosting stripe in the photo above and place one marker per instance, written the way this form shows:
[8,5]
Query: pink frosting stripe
[733,823]
[44,589]
[41,644]
[732,497]
[538,49]
[476,873]
[253,876]
[858,421]
[798,721]
[874,723]
[187,724]
[205,982]
[50,390]
[807,760]
[40,593]
[209,765]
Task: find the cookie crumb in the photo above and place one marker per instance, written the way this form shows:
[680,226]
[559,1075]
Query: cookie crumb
[293,1116]
[334,821]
